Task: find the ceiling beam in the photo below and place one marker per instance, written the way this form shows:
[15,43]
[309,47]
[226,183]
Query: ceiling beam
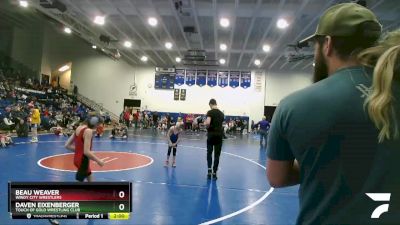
[295,65]
[85,32]
[298,13]
[196,21]
[215,18]
[124,51]
[78,9]
[307,65]
[161,21]
[141,17]
[148,47]
[266,32]
[123,33]
[116,28]
[178,21]
[317,17]
[283,65]
[158,48]
[253,19]
[228,61]
[123,17]
[396,21]
[394,24]
[376,4]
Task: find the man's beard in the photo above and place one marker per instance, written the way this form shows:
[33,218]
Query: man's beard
[320,68]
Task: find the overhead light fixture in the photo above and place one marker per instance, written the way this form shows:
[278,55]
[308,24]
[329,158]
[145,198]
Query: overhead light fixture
[224,22]
[144,58]
[257,62]
[23,4]
[152,21]
[168,45]
[266,48]
[222,61]
[67,30]
[313,64]
[63,68]
[128,44]
[223,47]
[94,46]
[178,59]
[282,23]
[99,20]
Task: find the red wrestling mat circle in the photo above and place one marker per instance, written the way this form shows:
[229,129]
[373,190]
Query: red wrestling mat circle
[114,161]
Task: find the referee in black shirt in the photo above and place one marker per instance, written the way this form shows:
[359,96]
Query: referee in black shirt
[215,133]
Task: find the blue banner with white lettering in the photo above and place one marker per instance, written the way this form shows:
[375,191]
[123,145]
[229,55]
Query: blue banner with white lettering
[179,77]
[201,77]
[234,77]
[190,77]
[245,79]
[212,78]
[223,78]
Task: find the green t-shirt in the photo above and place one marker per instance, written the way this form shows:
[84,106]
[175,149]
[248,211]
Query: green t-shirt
[326,128]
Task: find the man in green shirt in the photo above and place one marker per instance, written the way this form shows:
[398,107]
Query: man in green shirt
[323,138]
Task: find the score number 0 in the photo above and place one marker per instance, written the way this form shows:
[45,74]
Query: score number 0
[121,194]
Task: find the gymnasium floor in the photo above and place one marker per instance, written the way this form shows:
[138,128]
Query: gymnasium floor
[161,195]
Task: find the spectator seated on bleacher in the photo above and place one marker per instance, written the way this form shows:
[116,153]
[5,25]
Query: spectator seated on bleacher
[107,118]
[7,124]
[45,122]
[22,128]
[19,93]
[66,118]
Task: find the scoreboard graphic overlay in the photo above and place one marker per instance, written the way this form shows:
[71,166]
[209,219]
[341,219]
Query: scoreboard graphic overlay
[70,200]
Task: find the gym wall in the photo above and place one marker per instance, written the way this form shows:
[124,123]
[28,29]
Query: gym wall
[113,81]
[107,81]
[233,101]
[110,84]
[282,83]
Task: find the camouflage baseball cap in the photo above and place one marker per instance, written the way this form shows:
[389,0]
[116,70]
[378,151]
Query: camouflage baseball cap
[346,20]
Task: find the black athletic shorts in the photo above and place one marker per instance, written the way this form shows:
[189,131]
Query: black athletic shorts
[84,170]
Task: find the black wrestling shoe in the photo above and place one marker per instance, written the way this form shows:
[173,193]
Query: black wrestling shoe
[214,176]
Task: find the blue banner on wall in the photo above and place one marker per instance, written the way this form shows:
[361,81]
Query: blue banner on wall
[190,77]
[180,77]
[234,77]
[223,78]
[245,79]
[201,77]
[212,78]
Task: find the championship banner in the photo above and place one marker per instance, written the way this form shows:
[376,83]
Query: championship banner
[212,78]
[183,95]
[223,78]
[234,77]
[176,94]
[245,79]
[180,77]
[201,77]
[190,77]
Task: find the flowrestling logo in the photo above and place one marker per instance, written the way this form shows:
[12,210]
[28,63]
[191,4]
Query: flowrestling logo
[379,197]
